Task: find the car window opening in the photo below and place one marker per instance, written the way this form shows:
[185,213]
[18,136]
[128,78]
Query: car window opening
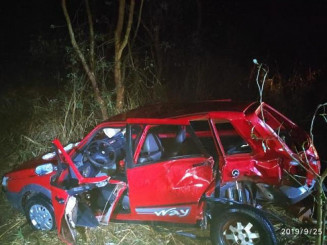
[166,142]
[231,141]
[204,134]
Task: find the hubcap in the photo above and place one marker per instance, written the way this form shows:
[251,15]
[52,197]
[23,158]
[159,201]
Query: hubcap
[241,233]
[41,217]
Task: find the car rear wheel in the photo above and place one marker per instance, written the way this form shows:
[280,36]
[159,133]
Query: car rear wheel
[39,213]
[241,225]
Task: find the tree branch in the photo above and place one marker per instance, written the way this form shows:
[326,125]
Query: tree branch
[138,20]
[91,29]
[120,23]
[72,37]
[86,67]
[129,25]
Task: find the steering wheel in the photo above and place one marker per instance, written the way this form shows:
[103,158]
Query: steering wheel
[100,154]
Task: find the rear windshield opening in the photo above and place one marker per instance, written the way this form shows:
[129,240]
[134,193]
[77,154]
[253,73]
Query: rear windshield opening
[289,133]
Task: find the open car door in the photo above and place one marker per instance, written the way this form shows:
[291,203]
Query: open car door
[168,171]
[65,184]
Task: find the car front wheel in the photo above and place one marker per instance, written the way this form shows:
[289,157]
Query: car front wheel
[241,225]
[39,213]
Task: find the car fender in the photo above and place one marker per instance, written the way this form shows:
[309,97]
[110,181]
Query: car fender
[32,188]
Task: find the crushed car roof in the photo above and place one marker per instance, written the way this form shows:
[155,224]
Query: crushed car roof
[171,110]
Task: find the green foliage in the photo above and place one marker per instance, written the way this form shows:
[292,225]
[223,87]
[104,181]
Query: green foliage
[141,91]
[20,235]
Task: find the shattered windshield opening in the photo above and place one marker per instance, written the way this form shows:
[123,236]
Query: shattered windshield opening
[103,153]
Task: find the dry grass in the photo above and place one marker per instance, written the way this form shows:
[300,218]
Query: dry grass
[15,230]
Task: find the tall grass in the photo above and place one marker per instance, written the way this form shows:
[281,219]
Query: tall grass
[67,117]
[34,121]
[37,121]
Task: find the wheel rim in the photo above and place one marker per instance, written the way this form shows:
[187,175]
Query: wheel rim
[241,232]
[41,217]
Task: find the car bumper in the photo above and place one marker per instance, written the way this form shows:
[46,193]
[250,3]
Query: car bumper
[296,194]
[14,199]
[284,194]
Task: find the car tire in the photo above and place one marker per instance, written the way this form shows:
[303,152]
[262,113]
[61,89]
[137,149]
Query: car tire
[39,213]
[241,225]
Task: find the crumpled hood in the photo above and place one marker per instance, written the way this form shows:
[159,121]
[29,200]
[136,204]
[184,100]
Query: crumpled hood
[28,167]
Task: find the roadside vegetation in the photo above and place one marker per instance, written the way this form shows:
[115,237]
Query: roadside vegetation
[34,120]
[152,70]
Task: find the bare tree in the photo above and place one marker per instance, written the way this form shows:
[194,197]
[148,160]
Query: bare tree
[121,40]
[87,66]
[321,195]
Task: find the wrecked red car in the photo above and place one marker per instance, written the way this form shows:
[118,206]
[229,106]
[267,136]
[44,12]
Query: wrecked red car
[207,164]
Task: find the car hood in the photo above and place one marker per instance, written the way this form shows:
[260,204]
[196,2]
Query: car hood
[27,169]
[33,163]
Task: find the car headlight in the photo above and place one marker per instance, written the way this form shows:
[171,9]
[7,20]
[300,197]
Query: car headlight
[5,182]
[44,169]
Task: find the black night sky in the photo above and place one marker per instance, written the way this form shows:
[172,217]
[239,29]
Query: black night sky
[282,34]
[206,48]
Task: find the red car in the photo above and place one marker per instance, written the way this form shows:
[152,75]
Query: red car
[200,163]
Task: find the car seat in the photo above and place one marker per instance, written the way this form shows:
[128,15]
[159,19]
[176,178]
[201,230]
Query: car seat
[152,149]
